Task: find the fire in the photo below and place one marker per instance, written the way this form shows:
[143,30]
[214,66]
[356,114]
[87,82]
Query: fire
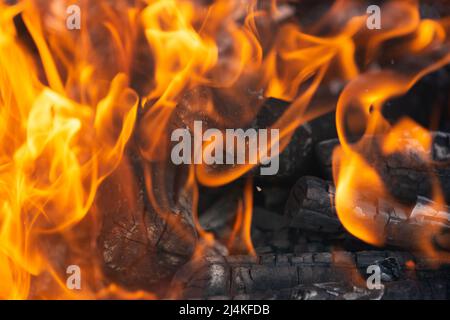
[74,106]
[365,96]
[56,150]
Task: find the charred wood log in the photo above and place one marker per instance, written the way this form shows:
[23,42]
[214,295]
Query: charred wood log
[338,275]
[406,175]
[142,247]
[311,208]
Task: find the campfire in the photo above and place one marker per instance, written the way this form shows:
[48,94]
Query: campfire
[224,149]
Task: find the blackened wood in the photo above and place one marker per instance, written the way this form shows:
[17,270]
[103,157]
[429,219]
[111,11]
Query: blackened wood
[406,175]
[141,247]
[293,276]
[311,208]
[324,153]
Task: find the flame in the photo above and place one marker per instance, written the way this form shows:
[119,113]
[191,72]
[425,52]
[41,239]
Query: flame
[57,148]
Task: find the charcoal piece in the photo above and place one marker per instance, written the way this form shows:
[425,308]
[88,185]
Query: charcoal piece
[406,175]
[432,91]
[312,220]
[334,291]
[280,241]
[330,275]
[267,220]
[390,269]
[398,290]
[311,208]
[428,289]
[324,153]
[271,241]
[269,229]
[273,197]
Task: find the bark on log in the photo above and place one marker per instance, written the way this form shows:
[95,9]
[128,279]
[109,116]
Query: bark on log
[406,175]
[311,208]
[338,275]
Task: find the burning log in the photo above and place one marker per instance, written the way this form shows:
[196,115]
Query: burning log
[406,175]
[311,208]
[338,275]
[141,246]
